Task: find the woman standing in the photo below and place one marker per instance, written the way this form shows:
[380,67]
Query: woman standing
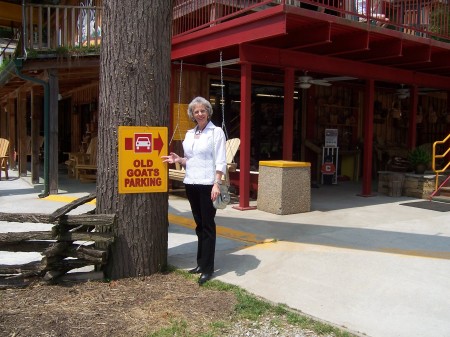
[205,163]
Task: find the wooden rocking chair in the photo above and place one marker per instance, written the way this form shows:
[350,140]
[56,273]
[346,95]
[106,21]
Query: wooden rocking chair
[86,166]
[4,146]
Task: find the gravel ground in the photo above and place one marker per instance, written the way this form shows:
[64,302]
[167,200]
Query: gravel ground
[131,307]
[269,326]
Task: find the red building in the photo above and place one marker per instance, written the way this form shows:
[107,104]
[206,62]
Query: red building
[376,71]
[292,69]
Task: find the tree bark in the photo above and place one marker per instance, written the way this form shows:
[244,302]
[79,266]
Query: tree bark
[134,91]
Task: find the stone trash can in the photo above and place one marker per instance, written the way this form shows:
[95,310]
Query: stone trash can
[284,187]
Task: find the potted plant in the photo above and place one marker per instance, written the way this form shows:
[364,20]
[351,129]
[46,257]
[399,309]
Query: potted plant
[420,159]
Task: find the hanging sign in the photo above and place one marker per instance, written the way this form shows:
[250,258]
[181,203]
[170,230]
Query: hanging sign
[331,137]
[141,169]
[180,121]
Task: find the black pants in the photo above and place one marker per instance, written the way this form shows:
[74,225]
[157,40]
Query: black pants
[199,197]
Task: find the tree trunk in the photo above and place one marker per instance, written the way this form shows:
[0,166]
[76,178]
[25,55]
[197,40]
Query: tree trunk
[134,91]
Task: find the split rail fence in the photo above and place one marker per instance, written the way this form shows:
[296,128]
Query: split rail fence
[59,246]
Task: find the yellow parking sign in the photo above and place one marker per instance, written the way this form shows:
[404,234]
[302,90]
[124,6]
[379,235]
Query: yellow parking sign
[141,169]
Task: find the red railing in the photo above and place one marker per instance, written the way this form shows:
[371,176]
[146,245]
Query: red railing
[441,152]
[191,15]
[426,18]
[52,26]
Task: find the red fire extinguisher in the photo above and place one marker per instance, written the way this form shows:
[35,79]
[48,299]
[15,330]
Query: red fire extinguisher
[328,170]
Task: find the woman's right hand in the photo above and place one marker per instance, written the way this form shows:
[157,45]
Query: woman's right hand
[172,158]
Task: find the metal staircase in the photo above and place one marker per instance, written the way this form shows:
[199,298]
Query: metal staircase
[441,164]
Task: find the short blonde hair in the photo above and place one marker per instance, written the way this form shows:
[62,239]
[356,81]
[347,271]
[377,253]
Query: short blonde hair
[202,101]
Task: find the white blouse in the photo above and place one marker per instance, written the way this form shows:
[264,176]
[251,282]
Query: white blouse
[199,155]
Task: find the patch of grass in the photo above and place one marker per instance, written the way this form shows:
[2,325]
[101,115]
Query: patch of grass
[178,328]
[319,327]
[249,306]
[4,64]
[277,321]
[219,325]
[252,308]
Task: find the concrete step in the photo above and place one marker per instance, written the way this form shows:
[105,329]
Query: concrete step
[444,191]
[441,198]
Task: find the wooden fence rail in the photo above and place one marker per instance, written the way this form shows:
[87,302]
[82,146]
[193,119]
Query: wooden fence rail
[60,252]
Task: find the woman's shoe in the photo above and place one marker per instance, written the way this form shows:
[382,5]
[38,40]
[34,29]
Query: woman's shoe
[203,278]
[196,270]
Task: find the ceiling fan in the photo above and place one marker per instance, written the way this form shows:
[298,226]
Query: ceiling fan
[306,81]
[402,92]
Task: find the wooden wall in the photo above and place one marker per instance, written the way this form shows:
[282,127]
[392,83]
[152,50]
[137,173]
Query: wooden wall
[391,118]
[84,102]
[3,121]
[391,115]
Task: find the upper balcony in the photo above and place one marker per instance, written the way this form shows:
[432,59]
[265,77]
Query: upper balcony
[404,34]
[425,18]
[49,27]
[52,26]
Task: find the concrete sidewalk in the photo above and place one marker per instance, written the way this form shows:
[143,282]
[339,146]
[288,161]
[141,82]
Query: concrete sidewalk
[372,265]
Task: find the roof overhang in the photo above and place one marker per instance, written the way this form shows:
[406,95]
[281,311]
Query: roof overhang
[10,14]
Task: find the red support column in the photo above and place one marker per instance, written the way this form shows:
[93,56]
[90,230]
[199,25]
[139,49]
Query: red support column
[288,122]
[448,111]
[368,139]
[412,131]
[245,134]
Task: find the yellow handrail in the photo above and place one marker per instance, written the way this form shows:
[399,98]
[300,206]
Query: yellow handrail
[439,156]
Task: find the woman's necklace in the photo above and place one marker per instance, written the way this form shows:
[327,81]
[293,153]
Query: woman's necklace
[199,131]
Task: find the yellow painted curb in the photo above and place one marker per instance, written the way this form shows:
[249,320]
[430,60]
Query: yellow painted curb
[63,198]
[224,232]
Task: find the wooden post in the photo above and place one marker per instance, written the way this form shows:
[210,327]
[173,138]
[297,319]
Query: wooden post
[36,115]
[12,132]
[22,132]
[3,121]
[412,130]
[53,131]
[40,31]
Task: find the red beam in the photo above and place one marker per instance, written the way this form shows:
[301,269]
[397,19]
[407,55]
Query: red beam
[337,66]
[440,61]
[229,34]
[412,56]
[311,36]
[349,43]
[383,50]
[288,122]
